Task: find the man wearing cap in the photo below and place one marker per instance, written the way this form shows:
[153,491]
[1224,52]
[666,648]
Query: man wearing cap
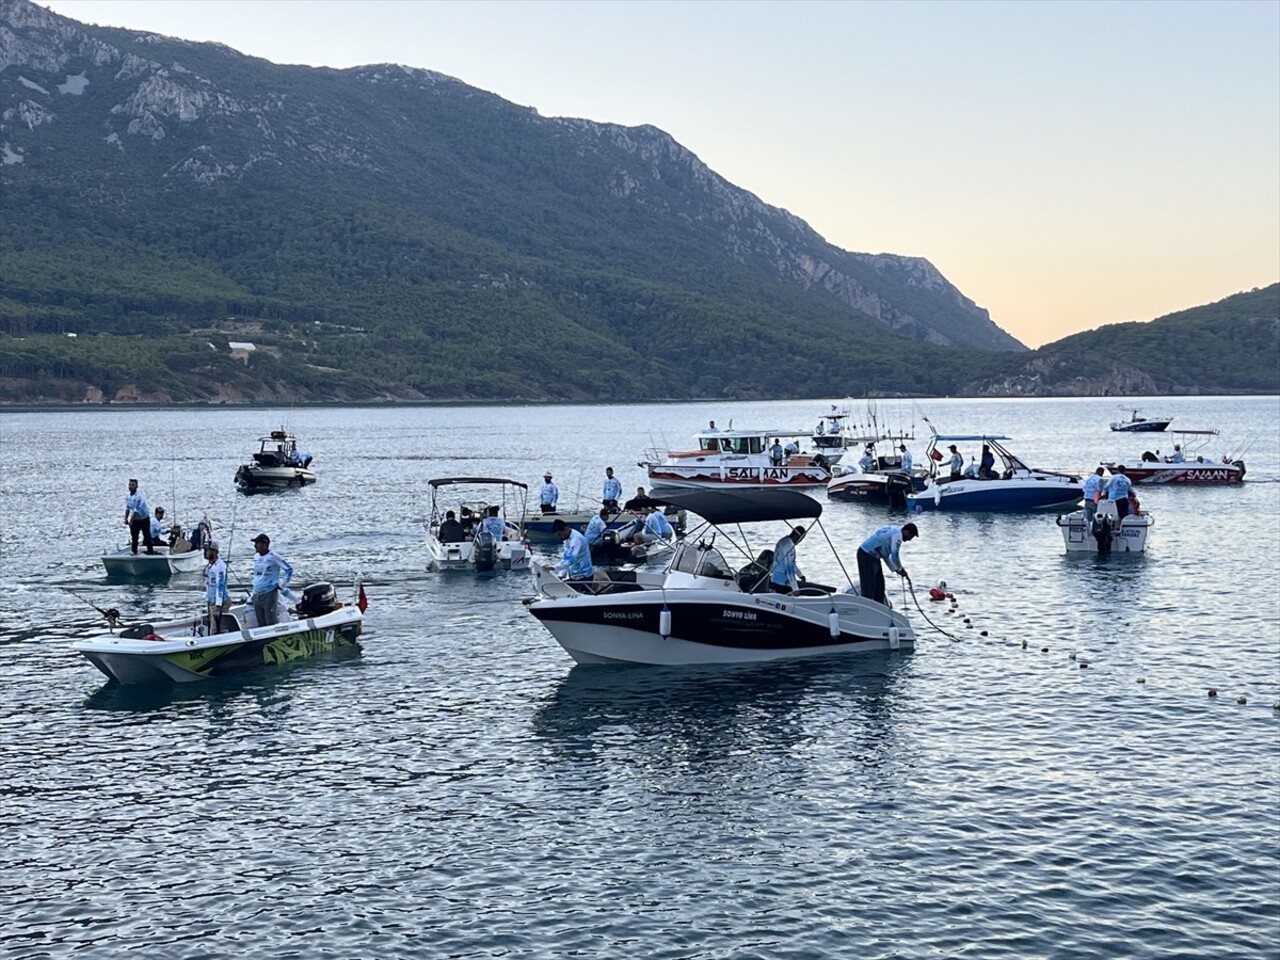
[612,491]
[884,545]
[957,464]
[785,576]
[549,495]
[215,586]
[137,517]
[271,572]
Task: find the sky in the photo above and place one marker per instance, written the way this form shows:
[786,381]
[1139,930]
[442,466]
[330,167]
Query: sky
[1064,164]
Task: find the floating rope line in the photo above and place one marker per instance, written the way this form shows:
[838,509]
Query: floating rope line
[1081,662]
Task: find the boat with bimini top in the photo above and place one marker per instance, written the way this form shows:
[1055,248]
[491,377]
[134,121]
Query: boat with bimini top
[477,536]
[706,608]
[185,649]
[1002,481]
[735,459]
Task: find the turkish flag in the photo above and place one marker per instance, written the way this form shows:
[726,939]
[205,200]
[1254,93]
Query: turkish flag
[362,601]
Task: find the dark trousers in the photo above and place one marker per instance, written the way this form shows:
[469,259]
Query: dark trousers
[610,505]
[870,576]
[141,525]
[1122,507]
[547,507]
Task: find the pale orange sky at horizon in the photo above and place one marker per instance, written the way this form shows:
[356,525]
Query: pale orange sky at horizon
[1065,165]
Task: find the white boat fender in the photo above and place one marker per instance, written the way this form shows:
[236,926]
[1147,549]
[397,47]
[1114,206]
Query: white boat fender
[894,641]
[833,622]
[664,622]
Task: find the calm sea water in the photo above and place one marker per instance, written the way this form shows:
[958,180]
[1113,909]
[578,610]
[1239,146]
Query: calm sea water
[461,789]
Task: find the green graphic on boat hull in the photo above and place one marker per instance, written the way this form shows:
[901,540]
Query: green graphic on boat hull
[221,661]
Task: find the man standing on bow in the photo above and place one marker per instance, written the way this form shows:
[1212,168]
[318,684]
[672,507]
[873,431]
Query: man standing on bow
[137,517]
[612,491]
[216,595]
[884,545]
[549,496]
[271,574]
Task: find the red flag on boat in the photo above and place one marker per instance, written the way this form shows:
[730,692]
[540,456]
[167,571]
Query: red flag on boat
[362,601]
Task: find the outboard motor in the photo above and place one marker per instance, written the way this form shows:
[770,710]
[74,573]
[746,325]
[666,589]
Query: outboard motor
[1102,532]
[897,486]
[1240,464]
[484,550]
[317,600]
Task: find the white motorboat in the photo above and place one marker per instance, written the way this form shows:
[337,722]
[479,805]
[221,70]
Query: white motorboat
[1010,485]
[1107,533]
[184,650]
[1137,424]
[180,555]
[705,609]
[277,465]
[463,544]
[736,459]
[1191,468]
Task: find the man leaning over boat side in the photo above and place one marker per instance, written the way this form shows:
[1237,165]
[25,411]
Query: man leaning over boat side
[215,586]
[137,517]
[1117,490]
[885,545]
[575,562]
[1092,493]
[271,573]
[784,575]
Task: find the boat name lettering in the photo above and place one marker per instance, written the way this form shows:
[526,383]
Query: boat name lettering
[738,615]
[619,615]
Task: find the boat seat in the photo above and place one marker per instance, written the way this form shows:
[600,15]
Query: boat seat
[228,624]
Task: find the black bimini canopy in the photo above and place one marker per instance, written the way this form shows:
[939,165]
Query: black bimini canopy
[450,481]
[744,506]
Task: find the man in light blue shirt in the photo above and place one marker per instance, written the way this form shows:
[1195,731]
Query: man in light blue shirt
[657,527]
[137,517]
[575,562]
[159,533]
[1177,456]
[216,595]
[596,527]
[612,491]
[785,575]
[1117,490]
[791,449]
[495,525]
[271,574]
[868,462]
[906,458]
[957,464]
[549,496]
[775,453]
[884,545]
[1092,488]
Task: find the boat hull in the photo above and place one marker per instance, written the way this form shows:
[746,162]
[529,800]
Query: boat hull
[717,627]
[126,565]
[1016,495]
[1181,474]
[1142,426]
[740,478]
[1130,536]
[891,489]
[253,477]
[511,555]
[191,658]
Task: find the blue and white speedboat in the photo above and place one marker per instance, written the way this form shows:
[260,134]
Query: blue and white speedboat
[1007,485]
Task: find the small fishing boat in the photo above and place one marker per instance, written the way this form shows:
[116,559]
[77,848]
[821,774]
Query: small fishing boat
[736,459]
[1187,467]
[1010,485]
[180,555]
[456,538]
[184,650]
[277,465]
[885,484]
[706,609]
[1107,533]
[1137,424]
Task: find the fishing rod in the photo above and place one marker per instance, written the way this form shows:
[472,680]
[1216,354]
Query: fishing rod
[111,614]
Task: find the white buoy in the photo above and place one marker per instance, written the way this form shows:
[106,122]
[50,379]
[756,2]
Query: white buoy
[664,622]
[894,642]
[833,621]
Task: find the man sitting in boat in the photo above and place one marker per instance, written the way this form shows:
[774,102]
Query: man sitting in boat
[656,527]
[987,466]
[159,532]
[494,525]
[468,521]
[596,527]
[1177,456]
[451,530]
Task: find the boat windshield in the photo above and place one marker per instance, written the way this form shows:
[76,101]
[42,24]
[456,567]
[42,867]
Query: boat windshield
[685,560]
[711,563]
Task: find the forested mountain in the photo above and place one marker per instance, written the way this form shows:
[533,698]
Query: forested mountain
[386,232]
[1231,346]
[411,236]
